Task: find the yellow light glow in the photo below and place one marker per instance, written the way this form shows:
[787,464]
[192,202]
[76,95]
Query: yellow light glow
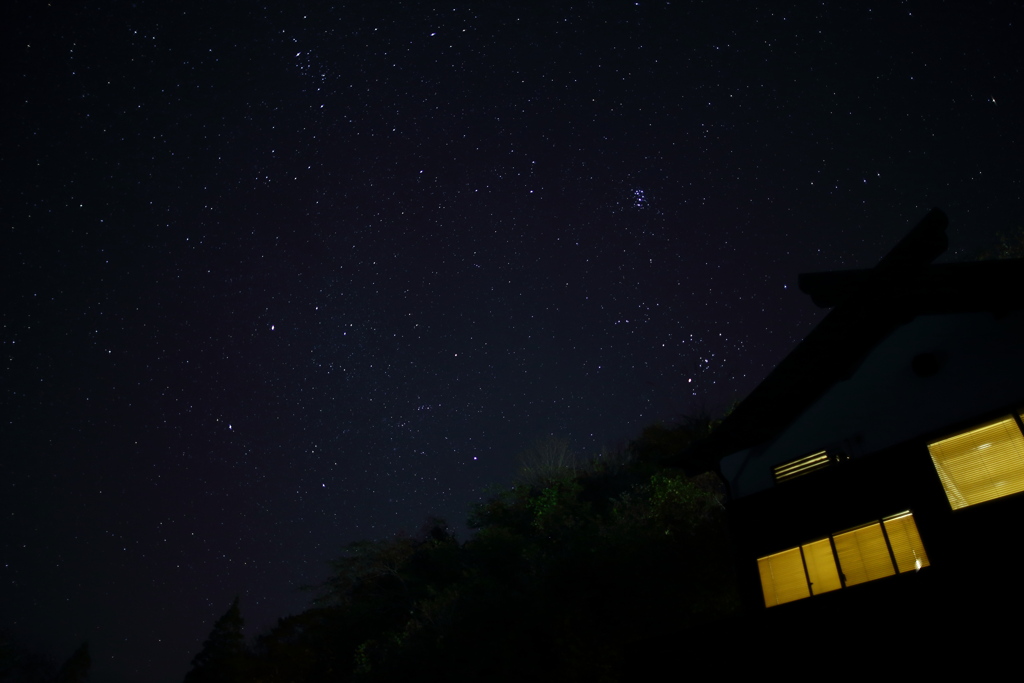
[981,464]
[782,577]
[865,553]
[906,543]
[821,567]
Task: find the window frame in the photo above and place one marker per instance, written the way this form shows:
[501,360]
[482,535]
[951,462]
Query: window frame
[967,485]
[804,465]
[855,541]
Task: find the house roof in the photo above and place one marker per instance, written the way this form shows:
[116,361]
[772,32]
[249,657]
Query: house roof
[867,306]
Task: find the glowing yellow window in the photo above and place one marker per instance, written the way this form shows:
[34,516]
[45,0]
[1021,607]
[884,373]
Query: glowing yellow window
[821,567]
[981,464]
[905,542]
[863,555]
[873,551]
[801,466]
[783,578]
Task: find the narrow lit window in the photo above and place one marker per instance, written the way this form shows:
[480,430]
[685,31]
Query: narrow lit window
[872,551]
[981,464]
[801,466]
[864,555]
[905,542]
[783,577]
[821,567]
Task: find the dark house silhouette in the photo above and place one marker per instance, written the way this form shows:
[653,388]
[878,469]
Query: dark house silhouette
[876,476]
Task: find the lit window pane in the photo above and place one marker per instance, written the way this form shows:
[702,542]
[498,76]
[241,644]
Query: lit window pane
[906,542]
[782,577]
[982,464]
[863,555]
[821,567]
[801,466]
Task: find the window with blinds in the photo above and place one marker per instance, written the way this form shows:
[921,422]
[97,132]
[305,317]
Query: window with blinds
[981,464]
[801,466]
[873,551]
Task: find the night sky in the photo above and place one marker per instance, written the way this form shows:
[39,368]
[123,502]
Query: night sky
[280,276]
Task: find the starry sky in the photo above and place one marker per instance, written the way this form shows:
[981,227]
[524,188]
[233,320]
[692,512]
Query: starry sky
[280,276]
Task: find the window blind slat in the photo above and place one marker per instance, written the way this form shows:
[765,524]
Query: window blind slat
[863,555]
[782,577]
[906,543]
[821,567]
[981,464]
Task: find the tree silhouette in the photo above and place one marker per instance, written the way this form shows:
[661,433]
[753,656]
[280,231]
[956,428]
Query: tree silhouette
[585,569]
[548,458]
[1009,244]
[76,668]
[224,657]
[21,664]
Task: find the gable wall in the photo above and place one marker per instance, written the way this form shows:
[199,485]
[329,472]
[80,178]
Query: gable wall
[981,369]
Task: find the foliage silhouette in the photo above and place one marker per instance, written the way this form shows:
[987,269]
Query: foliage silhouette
[76,668]
[568,575]
[19,664]
[551,457]
[225,657]
[1008,245]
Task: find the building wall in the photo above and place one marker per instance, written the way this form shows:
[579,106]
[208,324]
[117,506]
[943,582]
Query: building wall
[978,360]
[972,551]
